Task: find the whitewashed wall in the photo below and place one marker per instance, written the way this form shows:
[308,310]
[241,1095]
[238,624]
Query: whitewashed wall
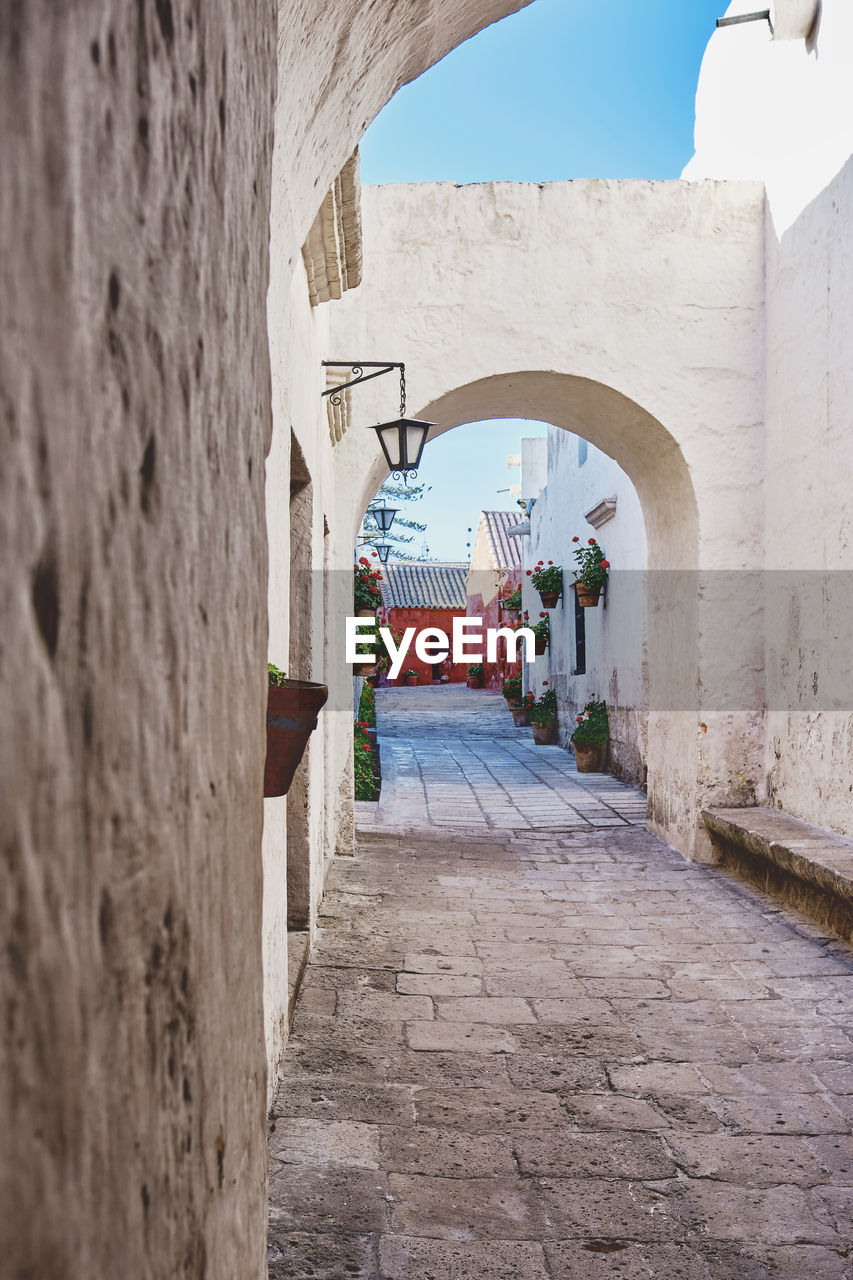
[782,111]
[615,636]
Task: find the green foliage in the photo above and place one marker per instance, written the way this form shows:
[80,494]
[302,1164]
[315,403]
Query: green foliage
[547,578]
[367,707]
[275,676]
[410,672]
[542,629]
[476,670]
[365,783]
[512,601]
[544,709]
[366,592]
[591,568]
[512,689]
[592,729]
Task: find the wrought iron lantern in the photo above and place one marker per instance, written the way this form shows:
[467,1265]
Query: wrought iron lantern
[402,441]
[383,550]
[384,517]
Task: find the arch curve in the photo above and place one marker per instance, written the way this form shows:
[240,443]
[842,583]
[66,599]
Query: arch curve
[614,423]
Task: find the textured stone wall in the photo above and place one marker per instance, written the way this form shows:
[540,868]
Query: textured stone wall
[135,145]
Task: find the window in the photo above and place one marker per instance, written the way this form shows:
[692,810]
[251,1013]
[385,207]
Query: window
[580,638]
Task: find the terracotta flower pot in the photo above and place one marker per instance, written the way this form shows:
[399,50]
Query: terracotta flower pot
[474,682]
[292,711]
[519,715]
[411,680]
[510,616]
[590,758]
[540,645]
[549,599]
[587,596]
[545,734]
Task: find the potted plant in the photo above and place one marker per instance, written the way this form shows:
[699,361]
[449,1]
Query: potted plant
[475,676]
[511,605]
[591,572]
[543,718]
[292,709]
[541,634]
[590,738]
[511,690]
[521,711]
[410,677]
[548,581]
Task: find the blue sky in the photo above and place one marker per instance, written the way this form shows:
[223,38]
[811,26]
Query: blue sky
[561,90]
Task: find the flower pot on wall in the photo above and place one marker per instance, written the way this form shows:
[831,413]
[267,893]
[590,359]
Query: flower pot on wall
[590,759]
[519,715]
[411,680]
[540,645]
[549,599]
[545,734]
[292,711]
[474,682]
[587,596]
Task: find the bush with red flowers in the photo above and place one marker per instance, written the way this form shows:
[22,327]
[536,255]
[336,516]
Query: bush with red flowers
[547,578]
[591,571]
[365,778]
[592,727]
[366,593]
[544,710]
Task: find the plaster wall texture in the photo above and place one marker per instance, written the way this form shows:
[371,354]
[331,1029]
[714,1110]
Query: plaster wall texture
[534,465]
[643,331]
[134,382]
[778,110]
[135,145]
[616,669]
[783,111]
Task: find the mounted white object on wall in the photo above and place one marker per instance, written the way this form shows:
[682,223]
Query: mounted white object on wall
[793,19]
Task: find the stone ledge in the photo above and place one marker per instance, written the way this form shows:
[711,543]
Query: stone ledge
[807,866]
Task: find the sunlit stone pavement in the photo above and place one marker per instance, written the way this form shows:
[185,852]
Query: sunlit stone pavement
[542,1053]
[451,757]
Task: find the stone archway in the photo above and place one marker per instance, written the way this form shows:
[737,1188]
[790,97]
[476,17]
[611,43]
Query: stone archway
[629,313]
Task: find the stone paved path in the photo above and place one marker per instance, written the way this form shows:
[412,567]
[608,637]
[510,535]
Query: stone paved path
[546,1055]
[451,757]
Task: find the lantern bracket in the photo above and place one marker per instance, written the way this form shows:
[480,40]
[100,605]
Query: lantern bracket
[357,367]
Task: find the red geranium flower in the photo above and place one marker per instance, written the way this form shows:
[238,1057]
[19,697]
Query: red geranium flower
[575,538]
[544,681]
[542,614]
[550,561]
[529,571]
[591,541]
[579,718]
[605,564]
[364,560]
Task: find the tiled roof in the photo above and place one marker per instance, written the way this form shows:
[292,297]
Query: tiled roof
[506,551]
[423,585]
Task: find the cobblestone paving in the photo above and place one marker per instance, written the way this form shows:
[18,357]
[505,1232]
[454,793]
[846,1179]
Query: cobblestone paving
[451,757]
[546,1055]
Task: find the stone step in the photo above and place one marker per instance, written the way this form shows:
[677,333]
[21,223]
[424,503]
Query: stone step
[810,867]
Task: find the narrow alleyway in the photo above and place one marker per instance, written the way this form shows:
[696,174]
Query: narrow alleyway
[533,1042]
